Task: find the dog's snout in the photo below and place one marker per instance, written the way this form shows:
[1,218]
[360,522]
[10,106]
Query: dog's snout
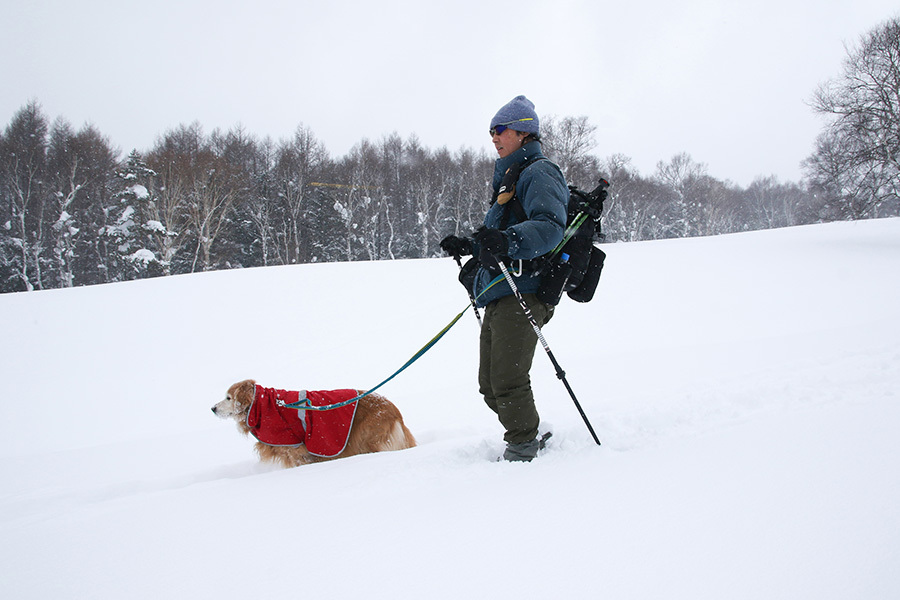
[213,409]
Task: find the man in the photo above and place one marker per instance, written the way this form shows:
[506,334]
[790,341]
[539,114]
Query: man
[518,228]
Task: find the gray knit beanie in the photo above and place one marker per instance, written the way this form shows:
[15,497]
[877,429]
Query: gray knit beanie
[518,114]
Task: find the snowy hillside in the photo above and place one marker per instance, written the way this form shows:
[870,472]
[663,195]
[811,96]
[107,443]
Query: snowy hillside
[745,389]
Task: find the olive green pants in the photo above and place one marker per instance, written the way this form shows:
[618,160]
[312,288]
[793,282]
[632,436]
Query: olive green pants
[507,349]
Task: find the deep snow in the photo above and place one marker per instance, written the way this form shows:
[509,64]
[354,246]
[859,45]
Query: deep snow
[744,388]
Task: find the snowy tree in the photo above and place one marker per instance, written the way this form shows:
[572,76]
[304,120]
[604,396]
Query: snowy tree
[213,187]
[66,179]
[22,169]
[432,183]
[252,239]
[133,231]
[175,159]
[856,166]
[637,208]
[569,142]
[772,203]
[81,171]
[470,191]
[397,226]
[685,178]
[357,202]
[298,169]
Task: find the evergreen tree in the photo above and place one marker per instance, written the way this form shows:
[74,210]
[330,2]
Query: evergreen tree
[134,231]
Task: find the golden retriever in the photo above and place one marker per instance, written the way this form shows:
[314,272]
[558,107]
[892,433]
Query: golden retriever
[377,426]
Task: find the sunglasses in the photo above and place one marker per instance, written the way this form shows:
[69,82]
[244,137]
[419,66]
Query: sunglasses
[498,129]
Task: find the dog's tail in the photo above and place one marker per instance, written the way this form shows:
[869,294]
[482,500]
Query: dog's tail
[401,438]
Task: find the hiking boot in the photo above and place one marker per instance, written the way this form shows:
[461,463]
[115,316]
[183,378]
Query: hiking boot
[522,452]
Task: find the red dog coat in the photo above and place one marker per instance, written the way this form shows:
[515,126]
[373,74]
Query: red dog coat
[324,432]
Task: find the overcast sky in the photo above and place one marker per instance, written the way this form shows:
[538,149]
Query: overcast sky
[726,82]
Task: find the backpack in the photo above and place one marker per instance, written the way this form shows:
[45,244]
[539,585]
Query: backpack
[575,264]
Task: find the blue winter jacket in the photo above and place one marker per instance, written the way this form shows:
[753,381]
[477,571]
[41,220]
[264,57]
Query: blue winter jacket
[542,190]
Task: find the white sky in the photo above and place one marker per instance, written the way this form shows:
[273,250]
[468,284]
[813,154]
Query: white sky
[726,82]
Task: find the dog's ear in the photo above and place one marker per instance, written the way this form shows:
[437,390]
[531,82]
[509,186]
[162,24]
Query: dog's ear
[244,392]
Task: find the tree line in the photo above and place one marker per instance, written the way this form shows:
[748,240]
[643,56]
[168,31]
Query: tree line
[74,213]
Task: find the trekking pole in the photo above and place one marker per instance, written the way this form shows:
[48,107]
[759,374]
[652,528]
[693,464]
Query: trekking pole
[559,371]
[471,297]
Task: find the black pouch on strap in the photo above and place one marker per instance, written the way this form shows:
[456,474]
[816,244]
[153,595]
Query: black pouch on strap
[467,273]
[585,290]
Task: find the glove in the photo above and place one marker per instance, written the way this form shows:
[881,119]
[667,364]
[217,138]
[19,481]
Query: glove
[493,243]
[456,246]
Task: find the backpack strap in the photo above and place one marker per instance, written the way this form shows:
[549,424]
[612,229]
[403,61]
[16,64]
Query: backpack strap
[513,206]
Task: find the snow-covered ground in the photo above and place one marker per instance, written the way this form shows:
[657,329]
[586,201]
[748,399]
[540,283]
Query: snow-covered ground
[745,389]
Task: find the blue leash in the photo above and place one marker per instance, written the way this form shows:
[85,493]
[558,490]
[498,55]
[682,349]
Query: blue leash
[304,404]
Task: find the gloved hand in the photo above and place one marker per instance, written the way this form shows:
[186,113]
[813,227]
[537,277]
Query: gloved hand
[493,243]
[456,246]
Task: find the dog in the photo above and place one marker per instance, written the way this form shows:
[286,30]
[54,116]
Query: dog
[371,424]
